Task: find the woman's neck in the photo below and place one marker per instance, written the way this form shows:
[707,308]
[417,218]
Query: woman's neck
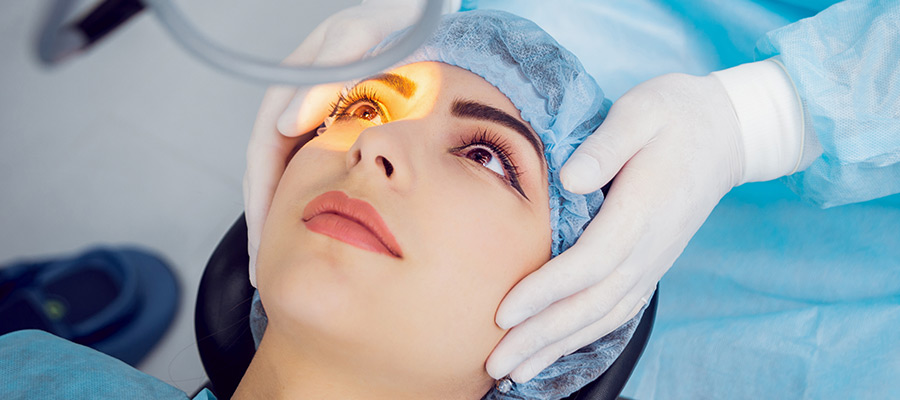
[283,370]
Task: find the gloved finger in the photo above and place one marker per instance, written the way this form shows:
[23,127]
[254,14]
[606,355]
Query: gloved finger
[308,108]
[567,274]
[633,195]
[621,222]
[267,153]
[626,130]
[533,366]
[566,317]
[342,38]
[532,346]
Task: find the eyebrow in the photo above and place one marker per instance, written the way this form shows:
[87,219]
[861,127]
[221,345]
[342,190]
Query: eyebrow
[475,110]
[399,83]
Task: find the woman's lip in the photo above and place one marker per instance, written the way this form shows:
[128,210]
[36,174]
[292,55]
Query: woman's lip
[352,221]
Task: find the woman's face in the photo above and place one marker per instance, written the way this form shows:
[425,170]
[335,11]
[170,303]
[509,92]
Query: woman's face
[458,179]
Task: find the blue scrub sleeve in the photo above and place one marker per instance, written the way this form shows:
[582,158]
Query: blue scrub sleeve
[38,365]
[844,63]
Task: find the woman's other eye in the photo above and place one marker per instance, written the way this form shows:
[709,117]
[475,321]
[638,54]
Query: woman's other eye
[491,151]
[485,156]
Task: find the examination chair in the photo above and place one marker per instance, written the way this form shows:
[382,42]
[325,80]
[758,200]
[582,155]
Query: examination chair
[221,323]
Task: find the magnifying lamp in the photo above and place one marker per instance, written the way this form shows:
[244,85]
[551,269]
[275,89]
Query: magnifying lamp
[60,40]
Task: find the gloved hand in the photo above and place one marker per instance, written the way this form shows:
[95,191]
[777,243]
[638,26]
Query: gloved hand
[288,116]
[676,144]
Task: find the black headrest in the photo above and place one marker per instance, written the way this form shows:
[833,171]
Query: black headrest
[221,323]
[221,319]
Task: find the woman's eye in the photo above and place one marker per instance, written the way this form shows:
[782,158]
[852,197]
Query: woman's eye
[486,157]
[366,112]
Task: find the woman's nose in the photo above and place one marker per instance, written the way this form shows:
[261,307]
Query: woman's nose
[382,152]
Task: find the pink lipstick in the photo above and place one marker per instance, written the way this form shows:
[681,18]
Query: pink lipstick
[352,221]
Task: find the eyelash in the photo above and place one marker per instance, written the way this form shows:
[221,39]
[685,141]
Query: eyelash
[495,143]
[358,94]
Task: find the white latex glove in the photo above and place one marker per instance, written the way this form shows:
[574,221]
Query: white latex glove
[676,144]
[288,115]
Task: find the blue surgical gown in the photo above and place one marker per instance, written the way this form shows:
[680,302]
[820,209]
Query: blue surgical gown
[773,297]
[38,365]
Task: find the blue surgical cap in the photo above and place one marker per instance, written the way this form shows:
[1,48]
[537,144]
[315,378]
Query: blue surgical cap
[564,105]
